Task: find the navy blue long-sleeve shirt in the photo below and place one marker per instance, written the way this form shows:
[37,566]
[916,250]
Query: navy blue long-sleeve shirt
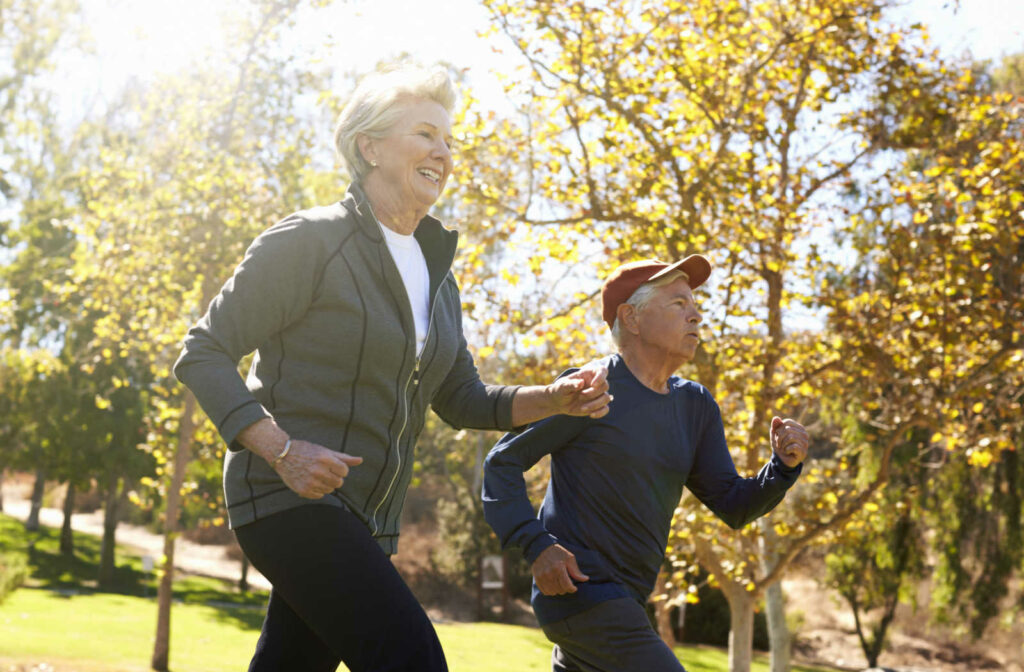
[615,483]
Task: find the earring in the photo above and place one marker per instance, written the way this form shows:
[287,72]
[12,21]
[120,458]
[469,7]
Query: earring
[373,163]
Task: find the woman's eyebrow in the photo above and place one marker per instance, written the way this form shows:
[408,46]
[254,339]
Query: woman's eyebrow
[432,126]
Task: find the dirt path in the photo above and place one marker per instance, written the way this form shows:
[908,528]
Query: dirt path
[189,557]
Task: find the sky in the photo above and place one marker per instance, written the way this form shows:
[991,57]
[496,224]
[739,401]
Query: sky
[138,37]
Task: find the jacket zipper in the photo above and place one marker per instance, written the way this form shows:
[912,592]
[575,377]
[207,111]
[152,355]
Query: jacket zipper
[405,415]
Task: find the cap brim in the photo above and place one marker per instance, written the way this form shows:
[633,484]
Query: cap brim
[696,267]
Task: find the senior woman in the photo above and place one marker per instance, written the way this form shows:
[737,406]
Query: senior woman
[357,326]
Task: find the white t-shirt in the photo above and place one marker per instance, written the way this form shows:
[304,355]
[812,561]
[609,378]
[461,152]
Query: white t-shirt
[412,266]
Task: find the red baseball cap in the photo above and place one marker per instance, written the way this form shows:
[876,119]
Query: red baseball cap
[626,279]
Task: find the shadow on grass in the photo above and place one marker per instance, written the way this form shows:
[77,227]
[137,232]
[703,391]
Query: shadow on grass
[242,617]
[49,569]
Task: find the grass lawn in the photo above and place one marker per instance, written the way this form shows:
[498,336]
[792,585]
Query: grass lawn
[50,569]
[64,622]
[115,632]
[103,632]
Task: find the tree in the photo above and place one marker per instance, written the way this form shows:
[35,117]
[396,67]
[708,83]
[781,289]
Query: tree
[658,129]
[876,563]
[31,31]
[30,379]
[22,376]
[173,196]
[33,168]
[932,313]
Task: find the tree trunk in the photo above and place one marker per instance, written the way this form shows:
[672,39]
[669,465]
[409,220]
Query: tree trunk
[243,580]
[107,557]
[778,631]
[663,611]
[775,603]
[32,524]
[741,630]
[162,644]
[2,471]
[67,539]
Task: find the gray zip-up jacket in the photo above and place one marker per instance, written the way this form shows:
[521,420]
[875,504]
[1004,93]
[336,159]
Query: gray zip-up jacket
[320,300]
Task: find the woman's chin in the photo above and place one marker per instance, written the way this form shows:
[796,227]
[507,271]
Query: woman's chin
[428,197]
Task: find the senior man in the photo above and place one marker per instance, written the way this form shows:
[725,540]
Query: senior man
[599,540]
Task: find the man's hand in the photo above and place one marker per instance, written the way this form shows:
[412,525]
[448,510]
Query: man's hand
[789,441]
[583,392]
[555,569]
[312,470]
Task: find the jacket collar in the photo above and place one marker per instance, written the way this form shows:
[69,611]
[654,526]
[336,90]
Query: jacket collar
[437,242]
[357,201]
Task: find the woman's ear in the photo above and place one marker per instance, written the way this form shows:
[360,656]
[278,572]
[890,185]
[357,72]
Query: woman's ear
[367,148]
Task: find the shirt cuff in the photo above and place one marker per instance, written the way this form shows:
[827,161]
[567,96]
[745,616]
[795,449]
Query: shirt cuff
[781,467]
[541,543]
[239,419]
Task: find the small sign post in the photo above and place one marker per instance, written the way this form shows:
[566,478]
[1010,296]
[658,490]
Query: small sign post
[493,570]
[147,567]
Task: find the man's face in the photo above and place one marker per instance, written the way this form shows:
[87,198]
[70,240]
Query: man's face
[670,322]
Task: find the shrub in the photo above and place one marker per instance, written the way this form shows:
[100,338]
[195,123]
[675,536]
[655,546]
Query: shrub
[13,572]
[709,621]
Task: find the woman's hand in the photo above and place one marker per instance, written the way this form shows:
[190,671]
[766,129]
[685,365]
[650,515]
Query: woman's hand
[313,471]
[583,392]
[309,469]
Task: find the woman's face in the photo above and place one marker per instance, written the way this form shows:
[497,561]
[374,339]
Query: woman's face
[415,158]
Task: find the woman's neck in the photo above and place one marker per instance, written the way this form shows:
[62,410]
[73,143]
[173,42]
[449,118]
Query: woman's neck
[389,209]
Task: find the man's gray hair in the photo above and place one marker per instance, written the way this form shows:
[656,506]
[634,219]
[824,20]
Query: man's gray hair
[642,296]
[377,104]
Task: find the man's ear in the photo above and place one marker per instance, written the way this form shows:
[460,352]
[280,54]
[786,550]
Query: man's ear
[627,315]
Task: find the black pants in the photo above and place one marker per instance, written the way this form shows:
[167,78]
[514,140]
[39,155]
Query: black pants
[336,598]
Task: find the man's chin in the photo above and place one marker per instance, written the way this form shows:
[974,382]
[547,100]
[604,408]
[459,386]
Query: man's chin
[689,351]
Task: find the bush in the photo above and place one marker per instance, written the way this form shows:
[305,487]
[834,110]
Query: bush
[708,621]
[465,539]
[13,572]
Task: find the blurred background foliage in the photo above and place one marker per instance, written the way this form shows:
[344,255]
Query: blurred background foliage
[859,193]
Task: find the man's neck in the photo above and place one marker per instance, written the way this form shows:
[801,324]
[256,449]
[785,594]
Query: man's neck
[652,369]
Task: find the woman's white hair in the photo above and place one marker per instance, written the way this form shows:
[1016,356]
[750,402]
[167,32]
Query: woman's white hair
[642,296]
[376,105]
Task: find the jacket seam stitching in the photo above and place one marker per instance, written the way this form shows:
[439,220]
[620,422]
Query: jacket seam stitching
[359,358]
[255,498]
[398,388]
[233,411]
[322,272]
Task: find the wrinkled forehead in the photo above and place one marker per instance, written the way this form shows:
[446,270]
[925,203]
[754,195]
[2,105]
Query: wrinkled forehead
[418,111]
